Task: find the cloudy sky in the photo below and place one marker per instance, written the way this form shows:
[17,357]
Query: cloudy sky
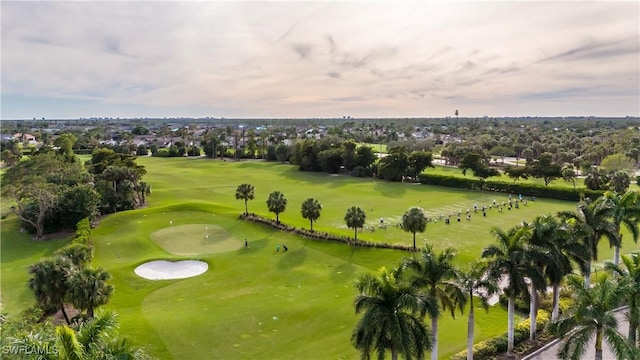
[319,59]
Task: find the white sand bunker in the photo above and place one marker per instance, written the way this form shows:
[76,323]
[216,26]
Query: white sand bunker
[167,270]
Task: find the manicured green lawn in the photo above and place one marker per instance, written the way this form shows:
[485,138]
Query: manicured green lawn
[379,148]
[215,181]
[255,303]
[17,252]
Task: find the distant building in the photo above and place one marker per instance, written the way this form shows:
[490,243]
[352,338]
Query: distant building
[24,137]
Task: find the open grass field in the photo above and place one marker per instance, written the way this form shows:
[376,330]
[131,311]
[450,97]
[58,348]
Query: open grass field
[256,303]
[379,148]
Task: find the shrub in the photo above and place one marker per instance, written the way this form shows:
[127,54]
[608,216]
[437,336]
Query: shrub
[161,152]
[83,232]
[360,171]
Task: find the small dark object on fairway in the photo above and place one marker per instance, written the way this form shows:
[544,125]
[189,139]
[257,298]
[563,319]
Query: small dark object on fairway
[284,247]
[246,243]
[446,221]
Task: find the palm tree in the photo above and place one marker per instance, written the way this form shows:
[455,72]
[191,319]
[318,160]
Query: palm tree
[569,175]
[414,221]
[95,339]
[311,210]
[545,232]
[434,274]
[511,259]
[591,314]
[593,220]
[78,254]
[245,192]
[277,203]
[631,280]
[626,211]
[69,347]
[355,218]
[619,181]
[565,249]
[596,179]
[474,283]
[389,322]
[49,283]
[88,289]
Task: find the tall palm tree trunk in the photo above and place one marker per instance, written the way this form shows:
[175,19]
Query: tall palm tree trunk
[633,325]
[434,338]
[64,313]
[394,354]
[246,210]
[470,329]
[634,321]
[355,234]
[414,241]
[616,254]
[556,302]
[532,313]
[587,275]
[311,221]
[510,325]
[598,344]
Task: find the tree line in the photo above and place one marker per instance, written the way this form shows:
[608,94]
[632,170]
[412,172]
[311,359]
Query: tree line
[52,190]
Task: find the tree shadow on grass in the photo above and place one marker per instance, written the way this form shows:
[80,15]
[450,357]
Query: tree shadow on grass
[292,258]
[254,246]
[390,189]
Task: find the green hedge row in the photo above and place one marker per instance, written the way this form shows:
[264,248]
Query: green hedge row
[323,235]
[528,190]
[83,232]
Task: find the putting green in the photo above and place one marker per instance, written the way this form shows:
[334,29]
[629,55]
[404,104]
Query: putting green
[195,239]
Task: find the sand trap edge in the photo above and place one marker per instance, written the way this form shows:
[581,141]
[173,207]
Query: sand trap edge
[171,270]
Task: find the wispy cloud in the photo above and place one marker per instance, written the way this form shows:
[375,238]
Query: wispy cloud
[309,59]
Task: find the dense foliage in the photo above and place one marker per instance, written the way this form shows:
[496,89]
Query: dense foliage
[52,190]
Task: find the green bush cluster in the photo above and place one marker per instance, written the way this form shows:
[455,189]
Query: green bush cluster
[529,190]
[316,235]
[83,232]
[490,348]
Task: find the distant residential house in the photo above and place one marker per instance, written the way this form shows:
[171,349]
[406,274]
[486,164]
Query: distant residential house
[25,137]
[110,142]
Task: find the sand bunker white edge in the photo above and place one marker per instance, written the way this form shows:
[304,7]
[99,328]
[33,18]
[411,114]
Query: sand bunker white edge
[168,270]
